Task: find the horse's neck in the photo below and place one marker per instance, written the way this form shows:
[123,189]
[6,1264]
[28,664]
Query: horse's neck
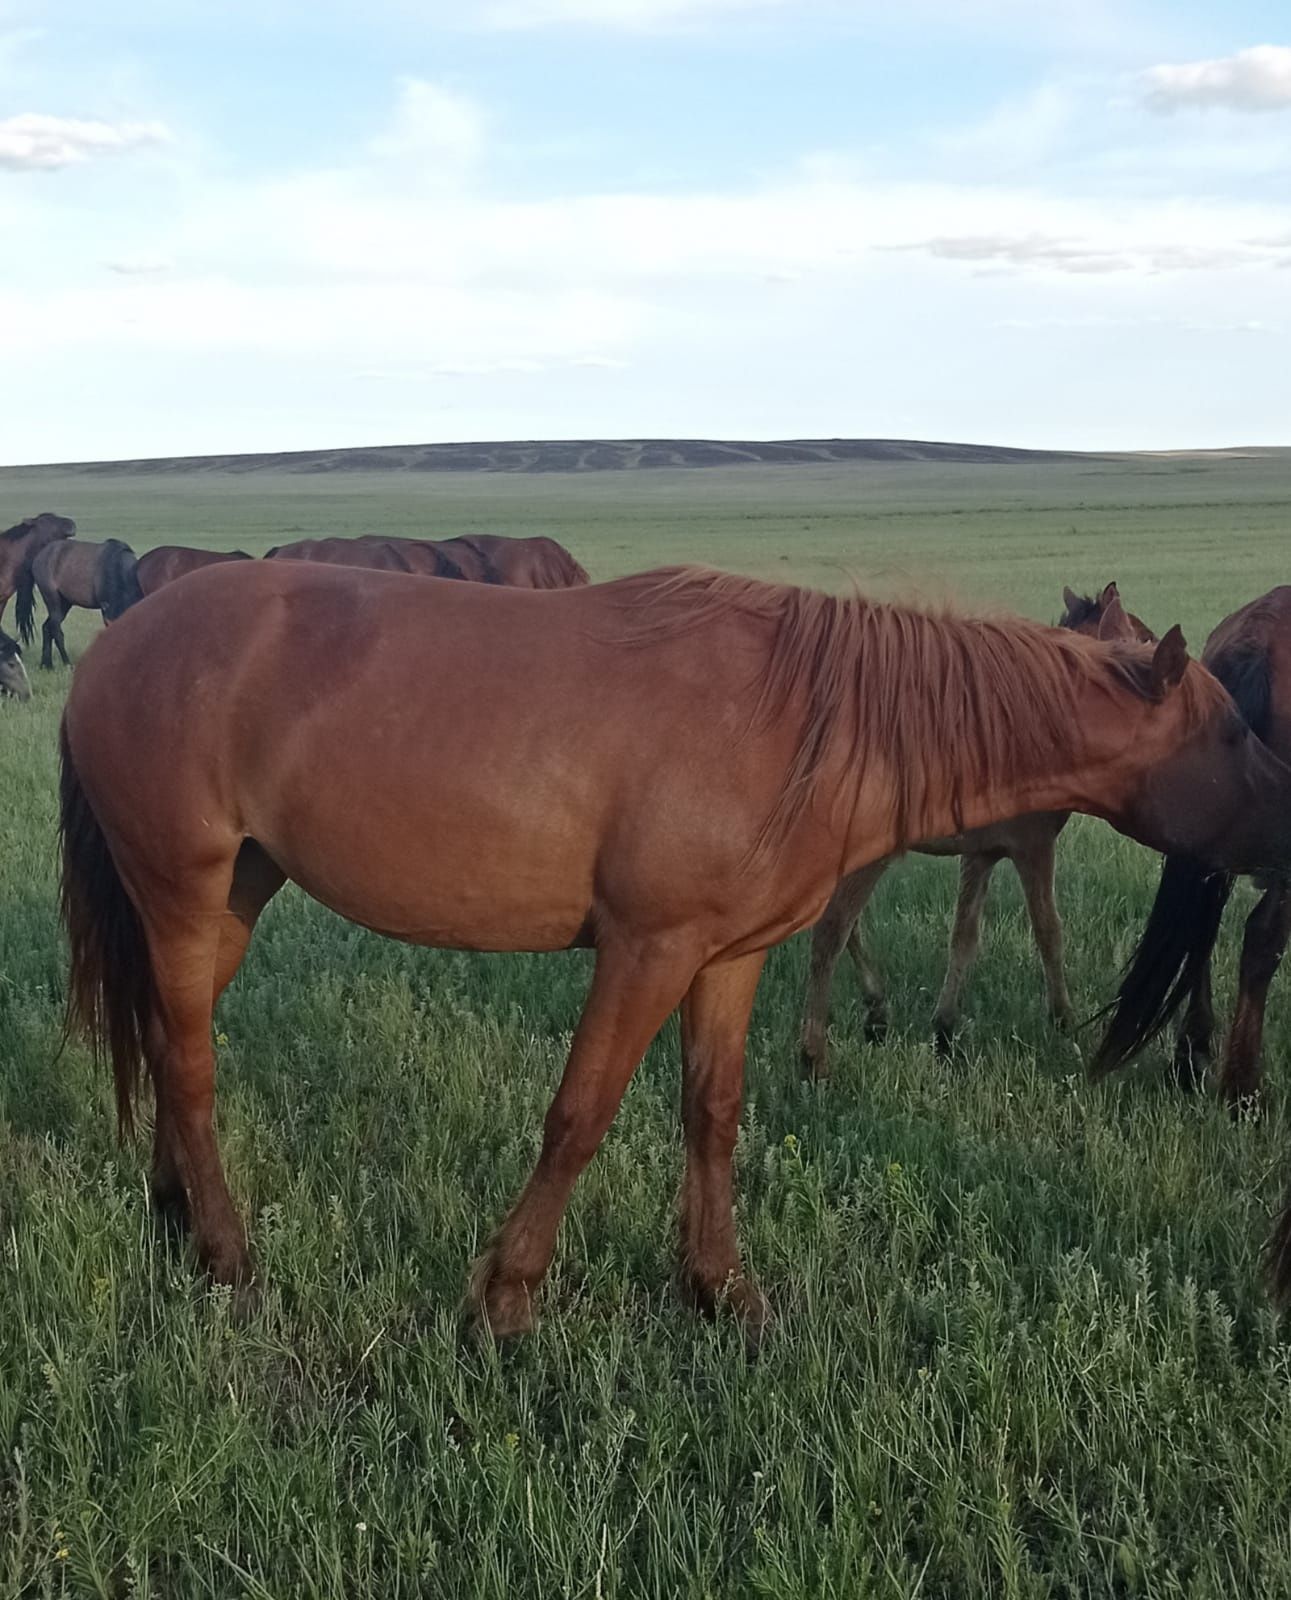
[956,800]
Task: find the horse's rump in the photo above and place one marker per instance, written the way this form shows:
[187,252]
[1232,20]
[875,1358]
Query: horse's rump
[166,563]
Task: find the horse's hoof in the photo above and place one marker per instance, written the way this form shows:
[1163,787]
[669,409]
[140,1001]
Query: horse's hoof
[876,1028]
[170,1206]
[753,1311]
[498,1308]
[245,1303]
[1248,1107]
[1188,1071]
[944,1041]
[815,1067]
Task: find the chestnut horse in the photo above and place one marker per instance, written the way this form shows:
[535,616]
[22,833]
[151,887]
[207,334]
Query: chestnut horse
[99,577]
[167,562]
[674,769]
[22,541]
[1250,653]
[1028,842]
[13,675]
[536,563]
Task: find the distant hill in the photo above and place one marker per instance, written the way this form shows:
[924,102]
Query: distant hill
[616,455]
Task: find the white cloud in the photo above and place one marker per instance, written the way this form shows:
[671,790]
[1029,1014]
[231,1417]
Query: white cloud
[139,266]
[439,130]
[32,142]
[1258,79]
[452,297]
[639,15]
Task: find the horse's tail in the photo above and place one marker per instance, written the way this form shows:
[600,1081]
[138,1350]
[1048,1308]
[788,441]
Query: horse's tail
[110,994]
[1180,935]
[119,587]
[25,601]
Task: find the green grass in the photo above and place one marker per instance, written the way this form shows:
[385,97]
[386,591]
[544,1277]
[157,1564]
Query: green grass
[1021,1348]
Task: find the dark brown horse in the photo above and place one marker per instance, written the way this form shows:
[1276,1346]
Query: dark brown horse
[537,563]
[1250,653]
[19,543]
[1028,842]
[161,566]
[13,675]
[99,577]
[674,769]
[372,553]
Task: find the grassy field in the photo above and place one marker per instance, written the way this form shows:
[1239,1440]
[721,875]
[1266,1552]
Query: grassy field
[1020,1349]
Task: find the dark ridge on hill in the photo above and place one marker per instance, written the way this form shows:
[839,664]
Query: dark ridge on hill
[586,455]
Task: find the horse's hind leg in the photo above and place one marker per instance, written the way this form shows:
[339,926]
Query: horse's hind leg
[1263,944]
[52,630]
[632,993]
[836,928]
[1196,1032]
[187,1178]
[975,870]
[1035,866]
[714,1026]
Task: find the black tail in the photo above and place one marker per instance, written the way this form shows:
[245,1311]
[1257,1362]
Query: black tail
[118,583]
[25,603]
[1176,944]
[110,996]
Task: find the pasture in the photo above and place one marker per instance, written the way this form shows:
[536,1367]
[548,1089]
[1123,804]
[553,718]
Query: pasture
[1021,1348]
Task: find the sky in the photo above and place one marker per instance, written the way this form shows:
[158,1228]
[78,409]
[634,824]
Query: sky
[272,225]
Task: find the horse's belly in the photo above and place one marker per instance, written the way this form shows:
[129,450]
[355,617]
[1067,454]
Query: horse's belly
[468,898]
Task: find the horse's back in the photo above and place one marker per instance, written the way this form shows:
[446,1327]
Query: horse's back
[1250,653]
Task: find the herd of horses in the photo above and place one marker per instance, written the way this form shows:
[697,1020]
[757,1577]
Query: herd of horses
[43,556]
[677,770]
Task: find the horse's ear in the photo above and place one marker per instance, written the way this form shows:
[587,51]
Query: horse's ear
[1070,600]
[1112,624]
[1108,595]
[1168,663]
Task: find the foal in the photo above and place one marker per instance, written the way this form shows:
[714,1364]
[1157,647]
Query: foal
[1028,842]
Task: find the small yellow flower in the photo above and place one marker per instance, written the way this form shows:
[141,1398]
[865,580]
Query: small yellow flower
[62,1553]
[513,1441]
[894,1169]
[221,1039]
[791,1143]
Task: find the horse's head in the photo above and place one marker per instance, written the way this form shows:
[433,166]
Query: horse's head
[1184,772]
[1102,616]
[13,675]
[49,525]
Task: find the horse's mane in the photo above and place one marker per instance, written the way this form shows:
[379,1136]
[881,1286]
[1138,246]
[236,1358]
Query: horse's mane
[20,530]
[948,704]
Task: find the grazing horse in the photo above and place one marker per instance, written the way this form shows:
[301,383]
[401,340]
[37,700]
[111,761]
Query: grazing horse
[1028,842]
[673,769]
[373,553]
[170,561]
[537,563]
[99,577]
[19,543]
[13,675]
[1250,653]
